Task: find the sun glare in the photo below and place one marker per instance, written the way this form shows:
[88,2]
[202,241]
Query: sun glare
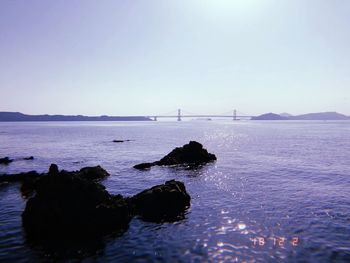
[232,8]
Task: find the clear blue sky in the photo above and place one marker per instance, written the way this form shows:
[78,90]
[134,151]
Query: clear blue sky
[151,57]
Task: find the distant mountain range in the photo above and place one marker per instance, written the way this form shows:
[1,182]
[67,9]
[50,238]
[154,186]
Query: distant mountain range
[17,116]
[309,116]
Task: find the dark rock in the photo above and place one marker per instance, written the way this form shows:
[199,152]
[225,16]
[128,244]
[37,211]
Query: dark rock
[119,141]
[53,169]
[166,202]
[90,173]
[28,158]
[5,160]
[192,154]
[28,187]
[73,206]
[27,179]
[19,177]
[68,206]
[144,166]
[93,173]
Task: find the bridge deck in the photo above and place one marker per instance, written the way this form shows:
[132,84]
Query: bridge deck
[201,116]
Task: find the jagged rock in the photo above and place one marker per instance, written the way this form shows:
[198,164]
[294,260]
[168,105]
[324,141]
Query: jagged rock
[166,202]
[93,173]
[192,153]
[5,160]
[68,206]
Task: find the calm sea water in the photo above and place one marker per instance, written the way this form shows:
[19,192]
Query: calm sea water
[279,191]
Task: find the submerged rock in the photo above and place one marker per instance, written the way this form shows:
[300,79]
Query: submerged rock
[166,202]
[192,153]
[5,160]
[28,158]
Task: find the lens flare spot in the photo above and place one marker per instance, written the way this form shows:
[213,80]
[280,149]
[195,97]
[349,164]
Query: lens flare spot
[241,226]
[220,244]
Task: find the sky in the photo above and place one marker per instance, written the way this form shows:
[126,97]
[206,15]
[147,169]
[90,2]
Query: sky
[148,57]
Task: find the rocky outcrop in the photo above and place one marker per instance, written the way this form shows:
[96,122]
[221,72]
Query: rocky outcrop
[5,160]
[166,202]
[73,205]
[66,205]
[192,154]
[93,173]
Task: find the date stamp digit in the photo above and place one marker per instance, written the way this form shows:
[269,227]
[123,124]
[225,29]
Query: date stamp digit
[280,242]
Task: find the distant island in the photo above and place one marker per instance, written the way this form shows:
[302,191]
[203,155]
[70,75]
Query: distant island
[309,116]
[17,116]
[270,116]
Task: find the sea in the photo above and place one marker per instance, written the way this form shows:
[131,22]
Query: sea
[278,192]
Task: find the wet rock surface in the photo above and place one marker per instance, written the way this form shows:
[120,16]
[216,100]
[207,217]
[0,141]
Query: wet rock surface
[192,154]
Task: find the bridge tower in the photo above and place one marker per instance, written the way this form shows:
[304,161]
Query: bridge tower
[155,118]
[179,115]
[234,115]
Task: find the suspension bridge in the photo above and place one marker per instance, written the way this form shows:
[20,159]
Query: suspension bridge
[234,115]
